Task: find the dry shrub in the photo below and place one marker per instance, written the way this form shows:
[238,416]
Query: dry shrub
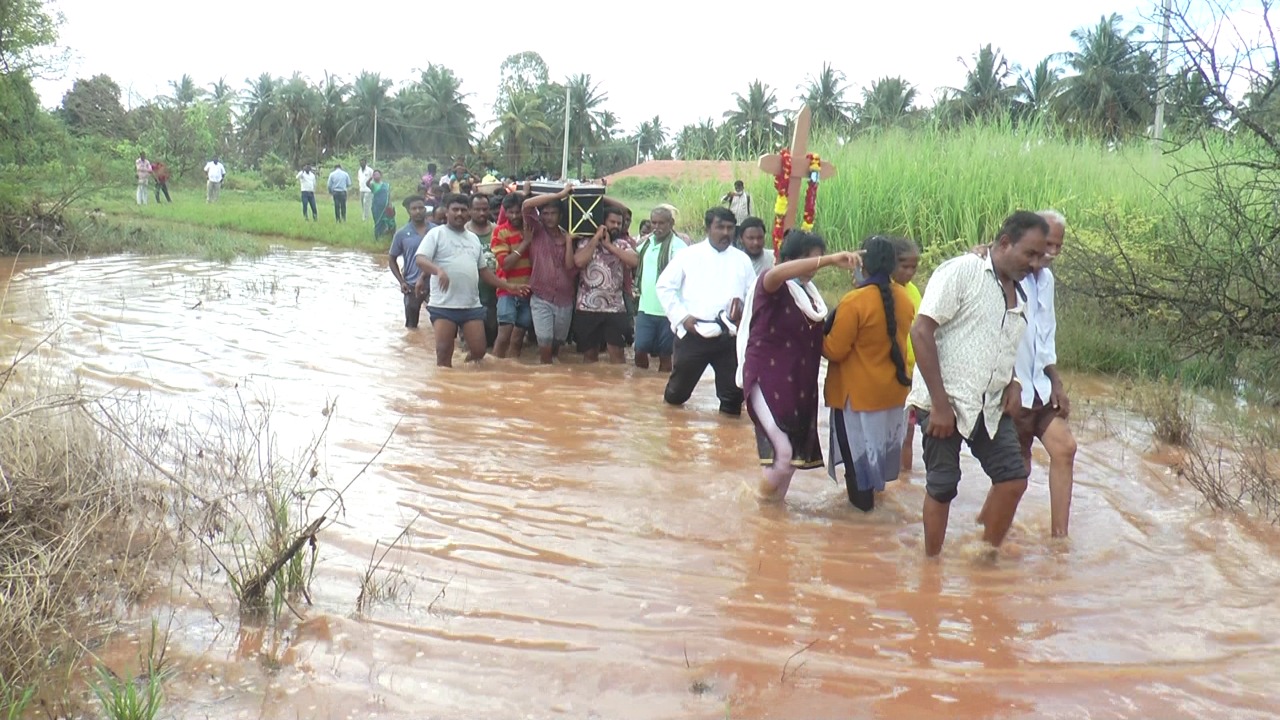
[1169,409]
[79,525]
[1239,473]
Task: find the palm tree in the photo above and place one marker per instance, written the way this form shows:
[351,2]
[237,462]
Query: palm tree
[887,103]
[369,98]
[650,136]
[523,132]
[1038,91]
[825,97]
[333,114]
[1192,104]
[185,91]
[221,93]
[1113,89]
[260,117]
[586,116]
[988,91]
[300,107]
[442,112]
[754,121]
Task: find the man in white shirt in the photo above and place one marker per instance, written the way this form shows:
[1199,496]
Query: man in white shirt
[702,292]
[215,171]
[363,176]
[739,201]
[307,181]
[142,166]
[966,338]
[1044,402]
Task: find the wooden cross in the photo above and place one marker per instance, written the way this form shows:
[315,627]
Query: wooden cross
[772,164]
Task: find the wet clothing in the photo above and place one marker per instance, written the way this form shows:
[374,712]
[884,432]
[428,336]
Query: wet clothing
[602,281]
[781,350]
[869,446]
[1000,456]
[459,255]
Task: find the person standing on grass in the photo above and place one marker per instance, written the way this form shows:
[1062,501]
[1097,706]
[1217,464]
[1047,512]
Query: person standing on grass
[482,227]
[702,293]
[604,262]
[510,247]
[908,262]
[653,330]
[142,167]
[739,202]
[339,182]
[214,171]
[363,176]
[307,180]
[554,272]
[779,352]
[384,215]
[403,252]
[452,258]
[751,235]
[1044,402]
[160,172]
[867,379]
[966,340]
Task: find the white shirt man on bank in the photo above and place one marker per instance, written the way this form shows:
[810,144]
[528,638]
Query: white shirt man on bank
[363,176]
[215,171]
[702,292]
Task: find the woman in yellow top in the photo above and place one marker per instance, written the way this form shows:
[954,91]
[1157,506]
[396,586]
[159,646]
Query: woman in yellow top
[908,261]
[867,380]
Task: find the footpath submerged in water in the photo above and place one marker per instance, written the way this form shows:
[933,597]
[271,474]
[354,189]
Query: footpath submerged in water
[579,550]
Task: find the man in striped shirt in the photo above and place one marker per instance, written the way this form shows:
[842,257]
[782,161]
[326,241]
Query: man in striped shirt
[510,247]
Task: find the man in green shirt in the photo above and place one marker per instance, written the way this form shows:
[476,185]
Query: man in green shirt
[653,330]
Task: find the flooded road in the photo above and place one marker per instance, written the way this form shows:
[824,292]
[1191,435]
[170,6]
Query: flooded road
[578,550]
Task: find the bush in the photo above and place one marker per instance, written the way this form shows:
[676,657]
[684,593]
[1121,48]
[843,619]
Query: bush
[246,181]
[642,188]
[276,172]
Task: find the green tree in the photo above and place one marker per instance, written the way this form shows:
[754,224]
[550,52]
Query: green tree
[754,122]
[650,137]
[825,96]
[370,98]
[587,117]
[1191,105]
[441,113]
[333,114]
[889,102]
[988,92]
[185,91]
[299,107]
[26,26]
[1038,91]
[1112,91]
[523,133]
[260,122]
[92,107]
[520,73]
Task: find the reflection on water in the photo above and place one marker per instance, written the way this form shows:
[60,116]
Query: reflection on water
[582,551]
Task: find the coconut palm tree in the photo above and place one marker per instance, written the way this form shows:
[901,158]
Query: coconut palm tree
[300,106]
[887,103]
[755,119]
[523,132]
[587,118]
[185,91]
[333,114]
[370,97]
[988,91]
[1191,104]
[1113,88]
[221,93]
[440,114]
[825,96]
[1038,91]
[260,123]
[650,136]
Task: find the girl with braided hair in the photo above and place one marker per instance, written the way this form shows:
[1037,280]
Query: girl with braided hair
[867,376]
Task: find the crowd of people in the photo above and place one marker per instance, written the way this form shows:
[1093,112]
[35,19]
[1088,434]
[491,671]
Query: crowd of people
[970,361]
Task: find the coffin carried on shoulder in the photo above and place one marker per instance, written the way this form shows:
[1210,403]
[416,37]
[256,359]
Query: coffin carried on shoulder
[579,213]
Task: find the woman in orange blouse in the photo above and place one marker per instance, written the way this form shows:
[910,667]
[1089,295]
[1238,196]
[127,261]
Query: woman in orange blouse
[867,381]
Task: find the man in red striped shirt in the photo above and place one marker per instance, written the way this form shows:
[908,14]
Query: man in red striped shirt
[510,247]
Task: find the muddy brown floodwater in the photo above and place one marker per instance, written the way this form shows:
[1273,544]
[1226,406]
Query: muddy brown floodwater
[599,557]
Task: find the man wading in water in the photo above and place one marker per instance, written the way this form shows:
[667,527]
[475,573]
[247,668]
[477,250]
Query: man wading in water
[966,339]
[452,257]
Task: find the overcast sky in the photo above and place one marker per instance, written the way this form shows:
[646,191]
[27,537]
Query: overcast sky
[682,60]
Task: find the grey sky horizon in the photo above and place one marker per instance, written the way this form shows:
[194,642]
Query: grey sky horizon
[684,75]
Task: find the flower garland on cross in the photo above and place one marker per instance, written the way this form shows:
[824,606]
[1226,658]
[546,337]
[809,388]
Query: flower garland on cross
[787,184]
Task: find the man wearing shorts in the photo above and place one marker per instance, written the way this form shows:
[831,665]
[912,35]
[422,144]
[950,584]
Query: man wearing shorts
[404,250]
[510,247]
[604,262]
[455,261]
[1045,406]
[966,340]
[552,283]
[653,330]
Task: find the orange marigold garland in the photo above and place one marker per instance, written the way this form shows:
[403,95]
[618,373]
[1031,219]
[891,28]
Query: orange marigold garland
[811,193]
[782,183]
